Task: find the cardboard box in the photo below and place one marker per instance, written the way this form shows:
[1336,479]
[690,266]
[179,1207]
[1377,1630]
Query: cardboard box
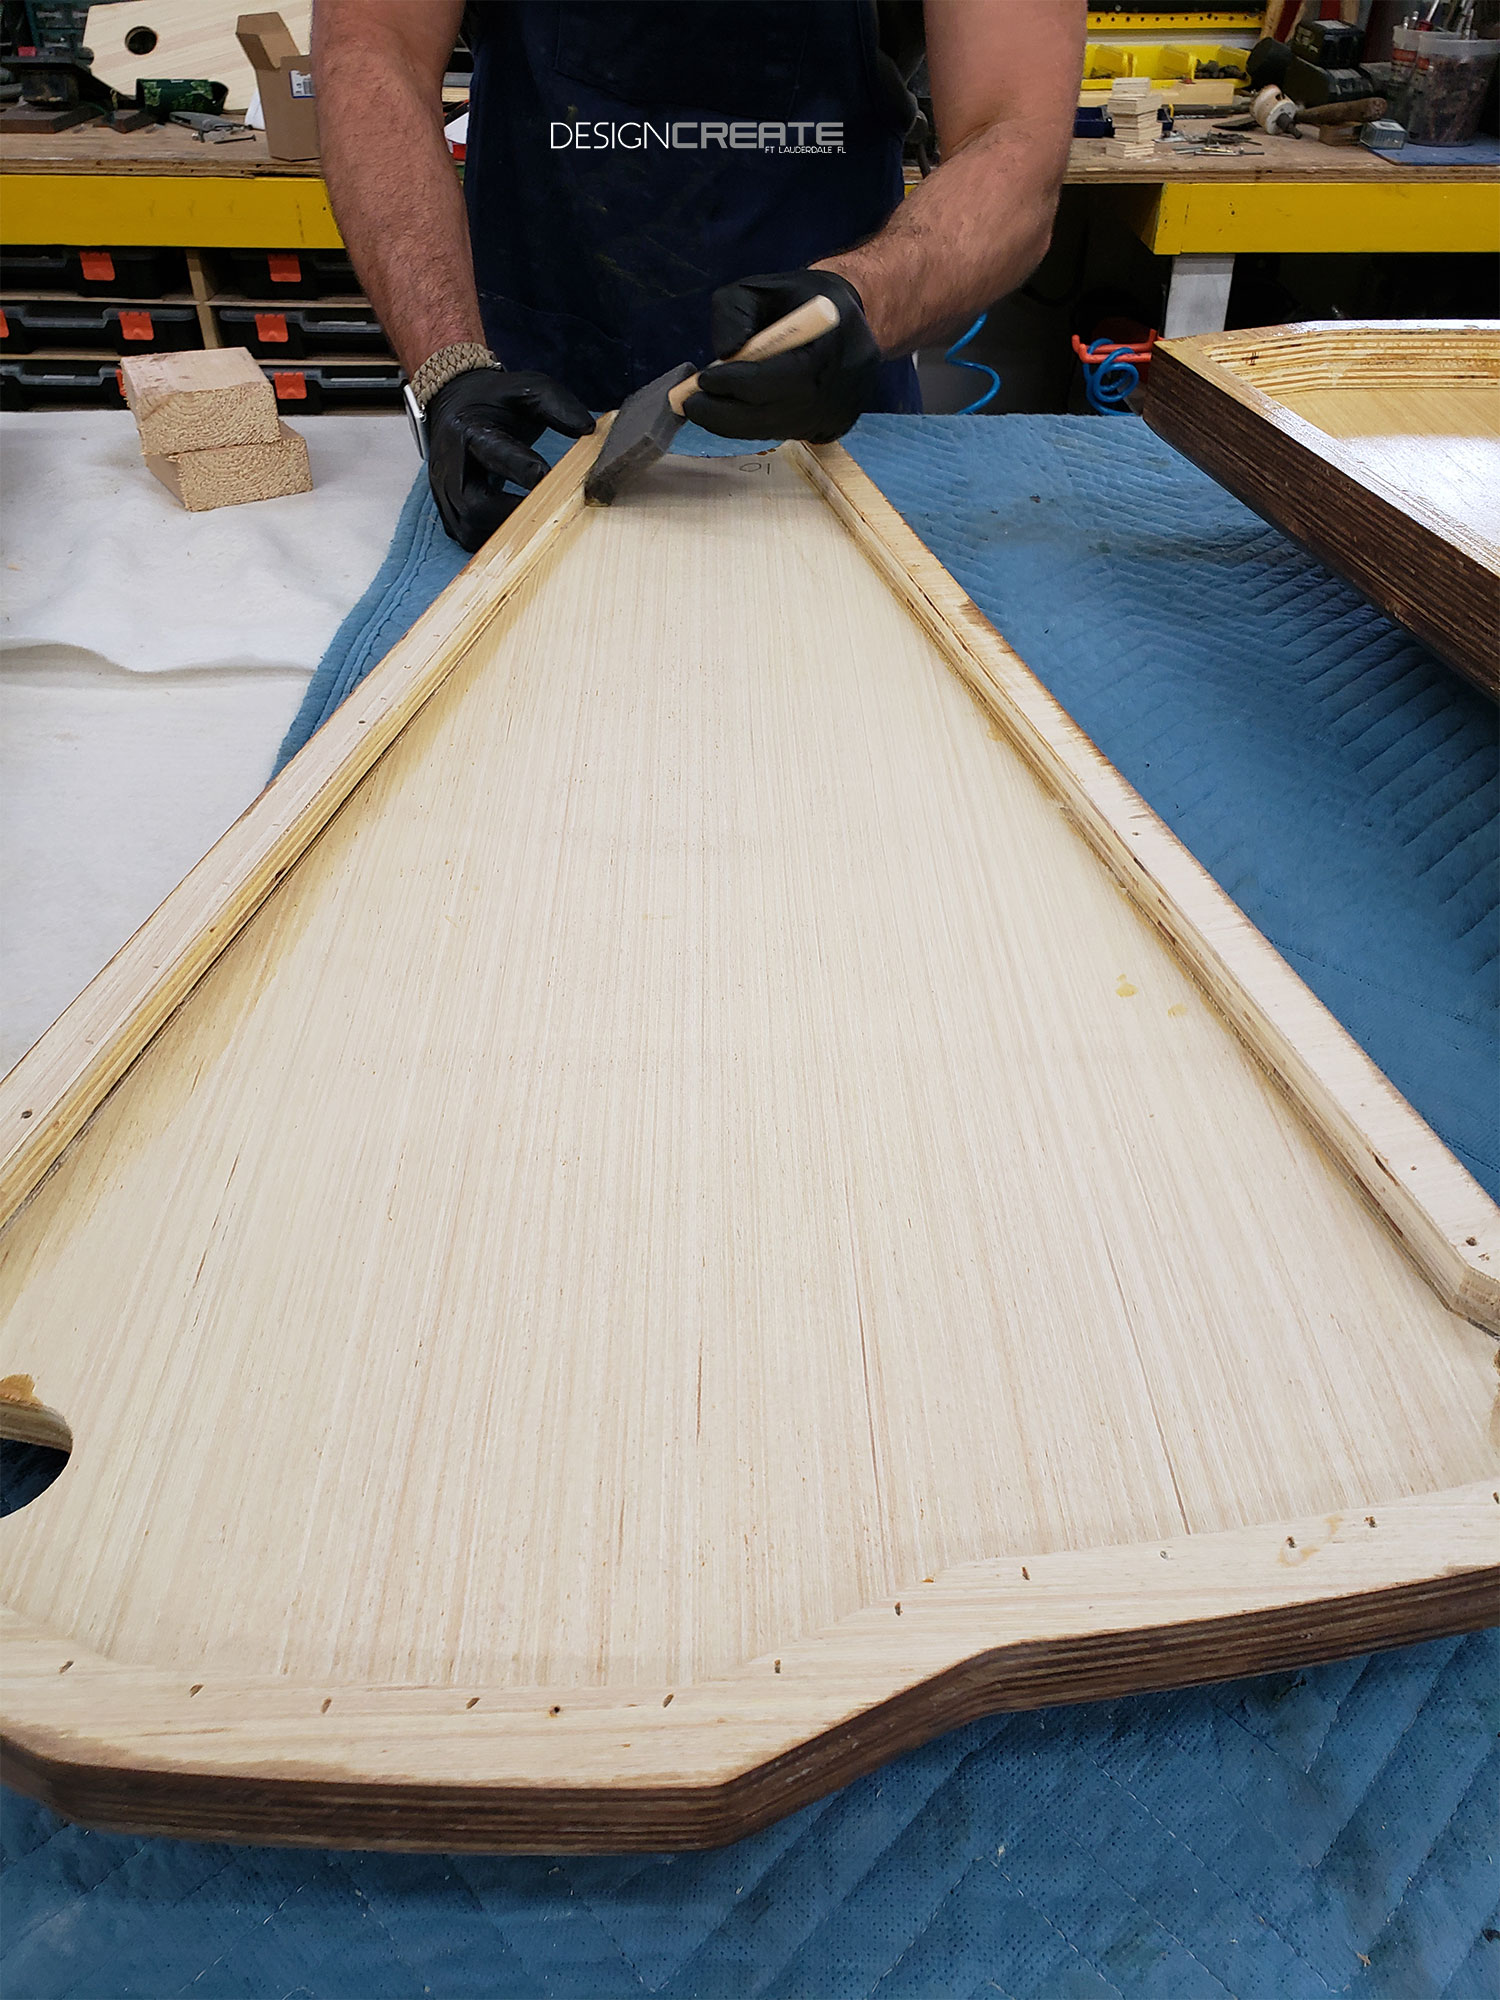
[283,76]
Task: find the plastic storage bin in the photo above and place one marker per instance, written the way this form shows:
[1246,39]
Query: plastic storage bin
[316,386]
[286,274]
[41,384]
[131,273]
[1449,75]
[1165,63]
[285,333]
[29,324]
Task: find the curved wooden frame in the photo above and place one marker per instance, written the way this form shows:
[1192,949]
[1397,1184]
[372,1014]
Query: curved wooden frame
[495,1770]
[1217,398]
[546,1769]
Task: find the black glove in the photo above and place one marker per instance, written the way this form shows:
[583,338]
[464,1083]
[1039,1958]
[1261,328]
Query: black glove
[814,393]
[480,427]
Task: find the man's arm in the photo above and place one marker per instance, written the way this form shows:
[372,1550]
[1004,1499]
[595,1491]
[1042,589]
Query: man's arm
[378,66]
[1005,79]
[378,70]
[1004,87]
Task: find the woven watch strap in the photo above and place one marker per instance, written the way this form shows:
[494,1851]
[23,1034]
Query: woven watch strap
[440,368]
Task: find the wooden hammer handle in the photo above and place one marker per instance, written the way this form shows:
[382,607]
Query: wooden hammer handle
[1353,111]
[800,328]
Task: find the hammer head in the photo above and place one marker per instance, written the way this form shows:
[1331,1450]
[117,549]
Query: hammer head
[641,433]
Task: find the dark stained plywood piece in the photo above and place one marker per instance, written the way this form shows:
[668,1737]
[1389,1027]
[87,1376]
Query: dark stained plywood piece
[1376,445]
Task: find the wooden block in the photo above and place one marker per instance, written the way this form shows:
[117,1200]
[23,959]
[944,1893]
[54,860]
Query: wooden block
[234,473]
[199,401]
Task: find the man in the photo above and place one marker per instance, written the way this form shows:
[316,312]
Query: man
[630,161]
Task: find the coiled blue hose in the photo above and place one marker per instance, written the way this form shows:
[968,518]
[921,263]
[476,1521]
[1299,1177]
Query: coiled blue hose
[953,356]
[1109,381]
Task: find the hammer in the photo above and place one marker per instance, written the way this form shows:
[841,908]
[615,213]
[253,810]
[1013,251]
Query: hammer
[647,422]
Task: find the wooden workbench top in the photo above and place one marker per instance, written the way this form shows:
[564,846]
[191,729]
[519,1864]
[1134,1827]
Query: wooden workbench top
[171,149]
[1276,159]
[158,149]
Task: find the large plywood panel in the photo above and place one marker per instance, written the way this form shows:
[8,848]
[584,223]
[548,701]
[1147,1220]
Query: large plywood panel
[697,1155]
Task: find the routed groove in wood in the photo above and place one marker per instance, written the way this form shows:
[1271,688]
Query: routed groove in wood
[699,1156]
[1377,444]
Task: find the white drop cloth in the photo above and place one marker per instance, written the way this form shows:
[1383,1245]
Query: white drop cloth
[150,662]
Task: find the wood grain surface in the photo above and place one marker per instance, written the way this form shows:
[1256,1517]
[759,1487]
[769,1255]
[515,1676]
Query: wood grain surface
[1376,444]
[193,38]
[683,1233]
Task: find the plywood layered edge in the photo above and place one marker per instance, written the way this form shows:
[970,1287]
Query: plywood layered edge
[1216,398]
[274,1759]
[646,1768]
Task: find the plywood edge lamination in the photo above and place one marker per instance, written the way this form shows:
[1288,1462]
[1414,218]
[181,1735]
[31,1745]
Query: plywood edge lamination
[1227,401]
[647,1768]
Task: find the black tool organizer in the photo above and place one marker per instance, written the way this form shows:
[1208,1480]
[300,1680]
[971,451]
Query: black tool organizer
[285,274]
[286,333]
[71,314]
[131,274]
[59,325]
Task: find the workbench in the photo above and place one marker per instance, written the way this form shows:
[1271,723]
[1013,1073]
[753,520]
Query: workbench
[163,186]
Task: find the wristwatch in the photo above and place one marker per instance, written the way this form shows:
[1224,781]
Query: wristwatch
[435,372]
[416,419]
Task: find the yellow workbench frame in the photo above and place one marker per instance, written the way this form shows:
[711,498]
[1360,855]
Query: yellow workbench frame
[290,211]
[169,211]
[1197,217]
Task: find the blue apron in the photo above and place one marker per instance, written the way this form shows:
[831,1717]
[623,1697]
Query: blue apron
[627,157]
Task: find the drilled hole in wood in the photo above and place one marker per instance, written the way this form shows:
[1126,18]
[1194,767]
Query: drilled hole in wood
[34,1444]
[141,41]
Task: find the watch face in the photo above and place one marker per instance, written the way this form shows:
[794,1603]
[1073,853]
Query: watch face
[416,419]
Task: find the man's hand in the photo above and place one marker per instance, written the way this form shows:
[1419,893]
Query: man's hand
[816,392]
[480,429]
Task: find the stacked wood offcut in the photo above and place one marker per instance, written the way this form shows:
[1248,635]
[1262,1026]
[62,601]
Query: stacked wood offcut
[1134,118]
[209,428]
